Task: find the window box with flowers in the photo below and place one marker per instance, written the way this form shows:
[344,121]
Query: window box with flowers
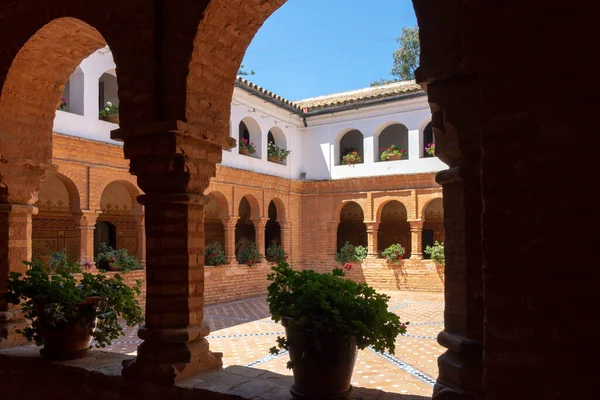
[394,253]
[352,157]
[430,150]
[214,255]
[277,154]
[250,256]
[109,113]
[392,153]
[247,148]
[116,260]
[326,319]
[63,104]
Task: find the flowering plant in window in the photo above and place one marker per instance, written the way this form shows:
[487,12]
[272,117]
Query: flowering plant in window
[108,109]
[117,260]
[350,253]
[250,256]
[63,104]
[394,253]
[275,253]
[352,157]
[277,153]
[430,149]
[247,147]
[394,152]
[214,255]
[436,252]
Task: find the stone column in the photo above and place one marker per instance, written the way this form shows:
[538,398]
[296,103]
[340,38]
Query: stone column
[372,232]
[15,247]
[86,223]
[229,225]
[286,238]
[173,164]
[140,220]
[259,229]
[416,239]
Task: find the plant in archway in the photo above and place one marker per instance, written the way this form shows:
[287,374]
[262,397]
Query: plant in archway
[352,157]
[109,112]
[66,314]
[275,253]
[326,318]
[430,149]
[116,260]
[350,253]
[436,252]
[214,255]
[247,147]
[59,262]
[277,153]
[250,256]
[394,152]
[394,253]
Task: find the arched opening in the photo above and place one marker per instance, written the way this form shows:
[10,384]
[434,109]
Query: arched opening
[250,138]
[72,100]
[272,228]
[427,140]
[53,227]
[351,227]
[433,224]
[108,97]
[104,232]
[214,213]
[119,207]
[393,227]
[277,146]
[245,234]
[392,137]
[350,143]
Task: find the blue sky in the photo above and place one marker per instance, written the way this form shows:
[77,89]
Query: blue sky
[313,47]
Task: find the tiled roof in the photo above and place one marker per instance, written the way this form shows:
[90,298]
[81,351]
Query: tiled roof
[361,95]
[332,100]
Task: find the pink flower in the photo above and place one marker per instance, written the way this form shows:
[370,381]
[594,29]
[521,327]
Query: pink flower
[348,266]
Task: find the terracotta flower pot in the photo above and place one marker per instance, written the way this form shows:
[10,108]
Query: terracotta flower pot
[66,340]
[245,152]
[111,118]
[273,158]
[394,157]
[322,368]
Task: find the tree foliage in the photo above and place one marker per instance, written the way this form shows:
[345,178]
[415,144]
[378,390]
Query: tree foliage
[243,72]
[406,57]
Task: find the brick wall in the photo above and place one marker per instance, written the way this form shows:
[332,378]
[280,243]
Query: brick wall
[234,282]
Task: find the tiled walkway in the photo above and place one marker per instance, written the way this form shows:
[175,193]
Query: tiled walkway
[244,332]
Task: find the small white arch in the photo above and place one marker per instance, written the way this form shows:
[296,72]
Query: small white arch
[108,88]
[387,134]
[277,137]
[73,92]
[249,129]
[347,139]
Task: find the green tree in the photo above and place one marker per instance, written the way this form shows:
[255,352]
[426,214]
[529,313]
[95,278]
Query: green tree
[243,72]
[406,57]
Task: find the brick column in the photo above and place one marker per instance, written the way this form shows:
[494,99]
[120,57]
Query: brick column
[372,231]
[140,220]
[416,239]
[229,225]
[332,228]
[173,166]
[259,229]
[15,247]
[86,223]
[286,237]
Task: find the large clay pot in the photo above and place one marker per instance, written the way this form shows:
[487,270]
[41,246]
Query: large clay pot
[322,366]
[66,340]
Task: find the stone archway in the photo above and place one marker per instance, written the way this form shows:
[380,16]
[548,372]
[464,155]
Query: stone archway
[393,227]
[351,227]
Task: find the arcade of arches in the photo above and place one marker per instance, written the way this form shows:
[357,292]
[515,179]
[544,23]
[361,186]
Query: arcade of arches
[500,119]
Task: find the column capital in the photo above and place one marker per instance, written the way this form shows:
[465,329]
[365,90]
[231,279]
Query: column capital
[18,209]
[285,225]
[86,219]
[229,223]
[262,222]
[416,224]
[372,225]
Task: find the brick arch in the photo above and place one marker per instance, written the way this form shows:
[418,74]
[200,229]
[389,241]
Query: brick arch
[338,209]
[79,183]
[128,182]
[382,206]
[215,59]
[222,203]
[425,204]
[255,209]
[280,206]
[72,190]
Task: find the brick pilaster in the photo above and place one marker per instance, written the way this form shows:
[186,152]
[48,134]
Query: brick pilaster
[416,239]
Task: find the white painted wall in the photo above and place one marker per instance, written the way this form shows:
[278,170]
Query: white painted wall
[315,148]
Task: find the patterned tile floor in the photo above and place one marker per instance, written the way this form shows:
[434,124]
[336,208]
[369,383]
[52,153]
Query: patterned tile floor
[244,332]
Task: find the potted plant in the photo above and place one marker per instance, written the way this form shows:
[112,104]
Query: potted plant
[351,158]
[436,252]
[430,149]
[116,260]
[59,262]
[63,104]
[109,113]
[350,253]
[275,253]
[214,255]
[277,153]
[394,253]
[250,256]
[326,318]
[247,148]
[66,315]
[394,152]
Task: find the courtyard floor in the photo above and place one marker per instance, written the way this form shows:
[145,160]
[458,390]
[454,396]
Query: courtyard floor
[243,331]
